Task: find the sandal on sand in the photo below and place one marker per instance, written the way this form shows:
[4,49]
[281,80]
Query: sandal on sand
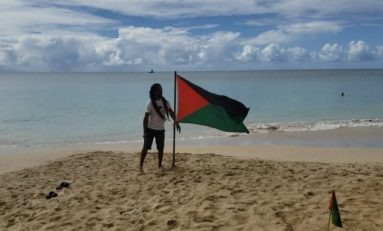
[50,195]
[63,185]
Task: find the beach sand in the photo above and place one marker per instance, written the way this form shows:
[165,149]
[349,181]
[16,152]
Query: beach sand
[204,191]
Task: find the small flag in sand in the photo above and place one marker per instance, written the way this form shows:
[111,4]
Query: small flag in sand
[334,210]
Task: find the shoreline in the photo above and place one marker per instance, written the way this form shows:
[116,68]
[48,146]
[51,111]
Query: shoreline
[330,146]
[290,153]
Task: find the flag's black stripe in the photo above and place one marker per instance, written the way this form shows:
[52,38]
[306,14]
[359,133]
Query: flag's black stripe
[235,109]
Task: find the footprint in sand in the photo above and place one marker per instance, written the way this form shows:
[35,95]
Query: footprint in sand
[172,223]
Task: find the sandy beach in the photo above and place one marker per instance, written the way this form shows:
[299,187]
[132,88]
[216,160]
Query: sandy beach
[266,187]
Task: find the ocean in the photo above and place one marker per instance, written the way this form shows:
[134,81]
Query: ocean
[61,109]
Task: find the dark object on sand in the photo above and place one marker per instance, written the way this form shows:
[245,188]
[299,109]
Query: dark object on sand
[50,195]
[63,185]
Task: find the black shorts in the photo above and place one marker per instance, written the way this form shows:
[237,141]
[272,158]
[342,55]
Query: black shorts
[160,139]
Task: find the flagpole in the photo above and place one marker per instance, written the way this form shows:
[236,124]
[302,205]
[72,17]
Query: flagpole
[328,225]
[174,122]
[330,208]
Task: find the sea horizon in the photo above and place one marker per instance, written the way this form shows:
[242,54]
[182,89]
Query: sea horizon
[204,70]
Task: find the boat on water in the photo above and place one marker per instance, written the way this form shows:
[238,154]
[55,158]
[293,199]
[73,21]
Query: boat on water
[151,71]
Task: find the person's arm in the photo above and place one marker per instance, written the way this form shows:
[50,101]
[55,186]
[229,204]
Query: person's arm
[173,115]
[145,123]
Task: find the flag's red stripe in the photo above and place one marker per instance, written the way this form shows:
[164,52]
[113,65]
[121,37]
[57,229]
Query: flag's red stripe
[189,100]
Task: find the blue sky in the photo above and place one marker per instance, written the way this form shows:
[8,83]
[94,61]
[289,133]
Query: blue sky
[138,35]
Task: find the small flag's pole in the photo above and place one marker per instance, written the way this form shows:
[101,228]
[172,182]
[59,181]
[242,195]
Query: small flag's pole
[328,225]
[330,207]
[174,124]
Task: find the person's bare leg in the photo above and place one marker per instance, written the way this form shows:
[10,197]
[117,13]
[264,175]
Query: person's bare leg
[142,159]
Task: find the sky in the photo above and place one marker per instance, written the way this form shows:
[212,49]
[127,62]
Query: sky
[139,35]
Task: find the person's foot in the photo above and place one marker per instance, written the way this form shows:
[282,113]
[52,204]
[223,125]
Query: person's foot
[160,168]
[141,170]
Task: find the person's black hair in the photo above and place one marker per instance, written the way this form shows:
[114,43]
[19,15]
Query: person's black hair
[153,88]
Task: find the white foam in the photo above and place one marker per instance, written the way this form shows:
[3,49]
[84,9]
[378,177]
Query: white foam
[313,126]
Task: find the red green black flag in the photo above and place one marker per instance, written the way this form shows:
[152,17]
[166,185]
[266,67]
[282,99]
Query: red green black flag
[198,106]
[334,211]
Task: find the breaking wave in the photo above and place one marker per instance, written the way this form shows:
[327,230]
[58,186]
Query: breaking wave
[313,126]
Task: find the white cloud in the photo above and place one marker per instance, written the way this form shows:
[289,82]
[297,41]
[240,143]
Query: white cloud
[331,53]
[312,27]
[298,54]
[61,35]
[195,8]
[217,47]
[18,18]
[140,48]
[248,53]
[290,32]
[39,52]
[141,45]
[39,16]
[272,53]
[379,51]
[316,8]
[173,8]
[134,46]
[359,51]
[3,57]
[271,36]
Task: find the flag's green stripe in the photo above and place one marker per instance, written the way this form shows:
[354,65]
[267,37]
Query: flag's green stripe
[216,117]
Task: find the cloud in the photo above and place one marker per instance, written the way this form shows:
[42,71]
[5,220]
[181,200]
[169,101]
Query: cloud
[216,48]
[331,53]
[196,8]
[171,9]
[42,16]
[312,27]
[51,53]
[143,48]
[248,53]
[18,18]
[134,47]
[299,54]
[171,46]
[290,32]
[272,53]
[271,36]
[379,52]
[317,8]
[359,51]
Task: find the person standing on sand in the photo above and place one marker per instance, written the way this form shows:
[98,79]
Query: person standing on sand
[157,111]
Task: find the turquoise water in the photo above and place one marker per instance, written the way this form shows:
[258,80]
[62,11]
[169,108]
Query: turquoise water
[47,109]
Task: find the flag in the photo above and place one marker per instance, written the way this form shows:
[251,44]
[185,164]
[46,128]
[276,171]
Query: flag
[198,106]
[334,211]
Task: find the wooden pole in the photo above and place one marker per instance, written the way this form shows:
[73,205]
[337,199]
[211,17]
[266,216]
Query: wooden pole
[174,122]
[329,218]
[330,208]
